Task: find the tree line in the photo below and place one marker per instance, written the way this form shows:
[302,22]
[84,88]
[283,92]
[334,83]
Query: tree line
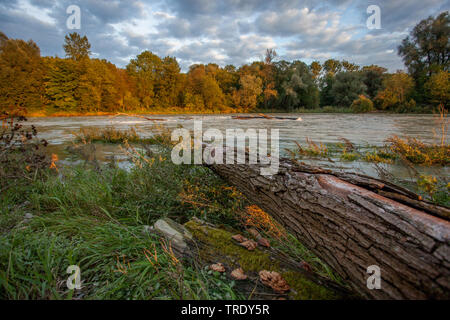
[79,83]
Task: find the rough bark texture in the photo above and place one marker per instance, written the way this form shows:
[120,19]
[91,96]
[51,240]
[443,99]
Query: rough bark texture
[346,221]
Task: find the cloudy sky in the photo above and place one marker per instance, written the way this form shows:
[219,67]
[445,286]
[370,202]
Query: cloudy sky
[225,32]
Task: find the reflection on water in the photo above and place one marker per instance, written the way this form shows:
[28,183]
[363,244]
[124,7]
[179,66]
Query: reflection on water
[360,129]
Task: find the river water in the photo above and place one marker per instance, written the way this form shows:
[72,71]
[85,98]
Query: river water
[360,129]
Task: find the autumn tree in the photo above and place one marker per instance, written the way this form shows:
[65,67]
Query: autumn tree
[96,90]
[250,89]
[144,70]
[316,70]
[332,67]
[397,91]
[22,74]
[76,47]
[3,38]
[268,77]
[211,93]
[202,89]
[439,87]
[349,67]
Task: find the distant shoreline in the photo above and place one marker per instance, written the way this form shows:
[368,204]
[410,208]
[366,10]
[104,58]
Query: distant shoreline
[40,114]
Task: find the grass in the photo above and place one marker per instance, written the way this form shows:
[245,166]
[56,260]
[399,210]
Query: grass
[115,136]
[96,217]
[418,152]
[108,135]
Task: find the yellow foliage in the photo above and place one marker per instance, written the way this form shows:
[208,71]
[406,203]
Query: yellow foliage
[397,88]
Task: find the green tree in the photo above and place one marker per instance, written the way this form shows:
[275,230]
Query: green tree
[77,47]
[347,87]
[296,86]
[168,84]
[268,78]
[326,96]
[427,47]
[373,77]
[96,90]
[61,81]
[228,79]
[427,50]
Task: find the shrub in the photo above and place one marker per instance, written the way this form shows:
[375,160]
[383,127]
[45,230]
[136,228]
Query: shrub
[328,109]
[362,104]
[21,152]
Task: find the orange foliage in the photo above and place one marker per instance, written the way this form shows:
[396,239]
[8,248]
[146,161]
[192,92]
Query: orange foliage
[53,164]
[257,218]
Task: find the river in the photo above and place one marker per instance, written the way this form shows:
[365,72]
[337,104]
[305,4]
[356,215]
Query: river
[360,129]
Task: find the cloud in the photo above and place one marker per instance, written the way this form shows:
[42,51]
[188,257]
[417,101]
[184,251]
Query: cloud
[225,32]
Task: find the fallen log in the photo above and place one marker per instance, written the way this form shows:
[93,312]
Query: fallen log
[263,116]
[352,222]
[137,116]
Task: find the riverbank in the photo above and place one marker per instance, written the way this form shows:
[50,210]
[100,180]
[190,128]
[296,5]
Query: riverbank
[176,111]
[98,217]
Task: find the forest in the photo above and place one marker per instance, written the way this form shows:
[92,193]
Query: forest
[79,84]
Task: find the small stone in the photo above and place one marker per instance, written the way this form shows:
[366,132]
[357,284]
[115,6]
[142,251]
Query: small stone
[28,216]
[176,234]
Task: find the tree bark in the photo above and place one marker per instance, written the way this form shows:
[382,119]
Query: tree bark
[353,221]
